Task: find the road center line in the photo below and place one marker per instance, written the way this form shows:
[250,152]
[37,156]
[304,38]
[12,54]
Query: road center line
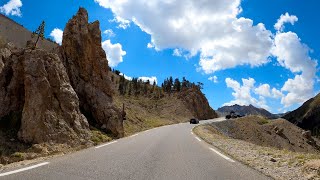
[105,144]
[23,169]
[222,155]
[198,139]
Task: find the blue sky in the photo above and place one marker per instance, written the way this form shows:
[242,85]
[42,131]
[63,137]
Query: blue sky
[233,42]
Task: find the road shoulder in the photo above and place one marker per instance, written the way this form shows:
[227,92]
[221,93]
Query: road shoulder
[278,164]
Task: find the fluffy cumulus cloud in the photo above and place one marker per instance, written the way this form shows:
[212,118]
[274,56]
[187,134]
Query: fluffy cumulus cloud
[213,79]
[57,34]
[223,41]
[263,90]
[114,52]
[285,18]
[12,8]
[213,30]
[294,55]
[150,79]
[243,93]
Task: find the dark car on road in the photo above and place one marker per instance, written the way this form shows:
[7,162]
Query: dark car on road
[194,121]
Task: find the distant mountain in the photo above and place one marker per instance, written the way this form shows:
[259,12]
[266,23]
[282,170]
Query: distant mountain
[245,110]
[307,116]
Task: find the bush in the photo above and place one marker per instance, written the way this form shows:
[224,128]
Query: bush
[228,116]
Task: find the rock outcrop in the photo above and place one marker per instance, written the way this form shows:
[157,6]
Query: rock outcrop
[34,85]
[87,67]
[197,103]
[5,52]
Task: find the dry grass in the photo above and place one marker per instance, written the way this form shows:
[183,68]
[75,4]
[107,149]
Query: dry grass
[145,113]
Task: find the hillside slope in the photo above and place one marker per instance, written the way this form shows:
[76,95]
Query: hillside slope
[153,107]
[307,116]
[278,133]
[245,110]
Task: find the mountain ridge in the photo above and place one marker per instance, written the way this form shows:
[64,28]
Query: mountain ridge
[246,110]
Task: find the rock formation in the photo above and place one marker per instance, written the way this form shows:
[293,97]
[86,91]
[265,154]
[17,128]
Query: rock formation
[35,86]
[87,67]
[197,103]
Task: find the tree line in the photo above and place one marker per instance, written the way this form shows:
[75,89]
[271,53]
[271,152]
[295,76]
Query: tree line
[138,87]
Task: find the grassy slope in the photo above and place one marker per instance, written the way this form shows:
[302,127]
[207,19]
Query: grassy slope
[144,113]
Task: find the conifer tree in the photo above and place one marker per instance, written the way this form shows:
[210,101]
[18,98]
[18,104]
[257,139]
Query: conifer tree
[39,33]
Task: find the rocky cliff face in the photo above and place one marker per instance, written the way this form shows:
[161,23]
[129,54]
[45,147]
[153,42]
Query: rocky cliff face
[197,103]
[307,116]
[87,67]
[35,87]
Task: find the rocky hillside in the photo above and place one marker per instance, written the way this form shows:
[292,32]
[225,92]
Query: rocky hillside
[245,110]
[10,31]
[148,106]
[307,116]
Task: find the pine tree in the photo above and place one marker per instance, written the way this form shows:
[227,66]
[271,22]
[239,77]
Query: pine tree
[39,33]
[177,85]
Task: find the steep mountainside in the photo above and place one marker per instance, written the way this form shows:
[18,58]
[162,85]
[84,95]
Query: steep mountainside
[307,116]
[245,110]
[10,31]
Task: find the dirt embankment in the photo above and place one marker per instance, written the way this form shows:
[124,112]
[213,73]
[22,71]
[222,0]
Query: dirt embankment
[278,133]
[276,148]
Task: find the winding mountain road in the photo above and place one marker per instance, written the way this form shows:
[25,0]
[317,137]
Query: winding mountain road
[167,153]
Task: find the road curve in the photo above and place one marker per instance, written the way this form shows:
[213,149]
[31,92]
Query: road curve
[166,153]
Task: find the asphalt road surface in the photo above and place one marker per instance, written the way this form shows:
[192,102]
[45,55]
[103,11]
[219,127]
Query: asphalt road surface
[167,153]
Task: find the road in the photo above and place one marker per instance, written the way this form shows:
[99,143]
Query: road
[166,153]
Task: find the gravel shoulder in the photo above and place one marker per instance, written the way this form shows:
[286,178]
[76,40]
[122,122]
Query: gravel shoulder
[276,163]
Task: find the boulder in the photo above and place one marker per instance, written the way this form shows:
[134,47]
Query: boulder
[87,67]
[34,85]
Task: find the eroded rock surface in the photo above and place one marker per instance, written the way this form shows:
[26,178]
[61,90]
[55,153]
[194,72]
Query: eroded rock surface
[35,86]
[87,67]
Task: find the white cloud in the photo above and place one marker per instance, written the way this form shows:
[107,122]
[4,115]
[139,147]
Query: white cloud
[242,94]
[294,55]
[149,45]
[126,77]
[114,52]
[276,93]
[213,79]
[223,41]
[263,90]
[285,18]
[151,79]
[123,23]
[12,8]
[177,52]
[57,34]
[109,33]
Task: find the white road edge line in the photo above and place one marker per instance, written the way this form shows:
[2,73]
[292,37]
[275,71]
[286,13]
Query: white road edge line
[23,169]
[222,155]
[134,135]
[105,144]
[198,139]
[192,133]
